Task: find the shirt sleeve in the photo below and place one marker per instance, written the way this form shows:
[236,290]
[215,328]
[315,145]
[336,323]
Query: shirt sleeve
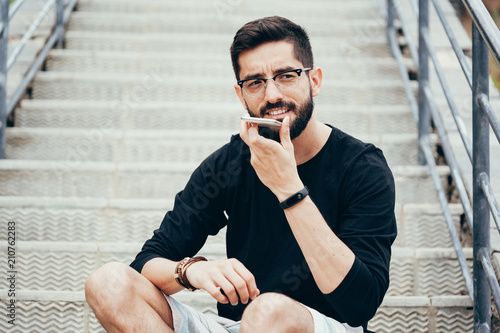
[198,212]
[368,228]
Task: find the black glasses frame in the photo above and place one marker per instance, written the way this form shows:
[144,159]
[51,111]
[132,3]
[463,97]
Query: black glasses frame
[298,71]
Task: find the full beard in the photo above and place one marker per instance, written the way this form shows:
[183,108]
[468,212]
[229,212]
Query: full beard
[296,127]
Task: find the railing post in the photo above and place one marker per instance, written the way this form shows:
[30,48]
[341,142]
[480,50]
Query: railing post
[390,21]
[59,28]
[4,37]
[480,164]
[423,76]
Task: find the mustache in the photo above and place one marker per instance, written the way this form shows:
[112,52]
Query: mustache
[277,105]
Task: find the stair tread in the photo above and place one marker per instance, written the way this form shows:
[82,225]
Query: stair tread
[389,301]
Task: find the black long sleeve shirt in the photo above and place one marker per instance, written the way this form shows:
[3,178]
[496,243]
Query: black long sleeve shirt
[353,188]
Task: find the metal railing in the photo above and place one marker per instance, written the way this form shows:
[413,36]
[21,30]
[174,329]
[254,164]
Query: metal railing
[485,39]
[62,11]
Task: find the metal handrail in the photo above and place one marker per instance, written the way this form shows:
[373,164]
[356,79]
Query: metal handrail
[14,8]
[486,26]
[440,74]
[29,33]
[454,43]
[63,11]
[485,39]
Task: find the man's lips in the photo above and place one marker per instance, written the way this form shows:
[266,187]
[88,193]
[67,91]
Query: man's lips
[277,113]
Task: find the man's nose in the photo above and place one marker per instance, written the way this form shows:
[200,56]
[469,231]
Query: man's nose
[272,93]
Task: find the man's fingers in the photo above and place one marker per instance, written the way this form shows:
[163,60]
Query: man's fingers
[249,133]
[225,280]
[244,130]
[216,293]
[285,139]
[249,279]
[229,290]
[240,280]
[240,286]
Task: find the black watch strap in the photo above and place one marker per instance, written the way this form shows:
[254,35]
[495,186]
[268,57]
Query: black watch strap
[294,199]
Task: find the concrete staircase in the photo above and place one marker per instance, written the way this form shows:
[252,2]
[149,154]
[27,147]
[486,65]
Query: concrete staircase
[142,93]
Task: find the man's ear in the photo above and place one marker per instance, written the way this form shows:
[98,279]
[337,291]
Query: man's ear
[239,93]
[316,77]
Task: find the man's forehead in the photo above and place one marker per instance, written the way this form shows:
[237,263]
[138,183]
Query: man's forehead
[268,57]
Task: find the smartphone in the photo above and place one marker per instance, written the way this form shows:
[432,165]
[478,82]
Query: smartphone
[262,121]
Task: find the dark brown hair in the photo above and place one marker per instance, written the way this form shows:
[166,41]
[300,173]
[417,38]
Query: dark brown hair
[271,29]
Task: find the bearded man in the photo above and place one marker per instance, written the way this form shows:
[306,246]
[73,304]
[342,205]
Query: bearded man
[309,212]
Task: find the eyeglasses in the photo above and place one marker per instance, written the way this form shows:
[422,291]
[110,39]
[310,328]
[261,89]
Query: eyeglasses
[286,80]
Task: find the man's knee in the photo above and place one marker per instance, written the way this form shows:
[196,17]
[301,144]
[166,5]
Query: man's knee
[109,283]
[124,300]
[270,310]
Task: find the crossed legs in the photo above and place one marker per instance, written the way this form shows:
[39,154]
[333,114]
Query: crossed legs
[125,301]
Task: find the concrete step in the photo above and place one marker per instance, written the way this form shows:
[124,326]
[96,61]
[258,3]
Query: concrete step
[95,220]
[424,226]
[64,266]
[154,86]
[198,23]
[114,145]
[42,311]
[153,180]
[341,68]
[414,185]
[356,119]
[224,10]
[155,145]
[128,114]
[61,266]
[427,283]
[133,220]
[427,272]
[423,314]
[93,179]
[216,44]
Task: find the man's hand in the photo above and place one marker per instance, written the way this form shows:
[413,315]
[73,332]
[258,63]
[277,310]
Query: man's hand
[273,162]
[228,275]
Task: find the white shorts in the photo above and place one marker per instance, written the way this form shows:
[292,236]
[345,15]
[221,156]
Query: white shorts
[188,320]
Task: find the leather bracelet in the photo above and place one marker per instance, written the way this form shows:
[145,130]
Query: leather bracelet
[184,269]
[180,271]
[295,199]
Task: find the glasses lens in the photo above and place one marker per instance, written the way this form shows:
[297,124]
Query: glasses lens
[287,81]
[254,87]
[284,81]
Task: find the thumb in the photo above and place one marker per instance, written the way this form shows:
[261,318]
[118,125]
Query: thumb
[286,141]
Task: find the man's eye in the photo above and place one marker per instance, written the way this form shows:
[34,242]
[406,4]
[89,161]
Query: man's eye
[255,83]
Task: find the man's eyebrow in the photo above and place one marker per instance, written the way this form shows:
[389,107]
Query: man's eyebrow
[253,76]
[261,76]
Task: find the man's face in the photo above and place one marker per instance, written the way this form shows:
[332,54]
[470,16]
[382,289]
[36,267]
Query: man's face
[266,61]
